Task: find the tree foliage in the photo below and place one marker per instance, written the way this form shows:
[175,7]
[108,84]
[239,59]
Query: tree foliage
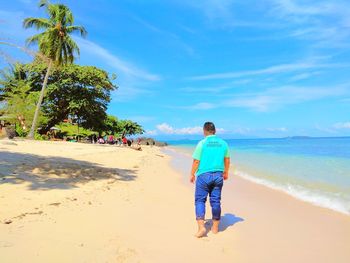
[73,91]
[17,99]
[122,127]
[55,41]
[129,127]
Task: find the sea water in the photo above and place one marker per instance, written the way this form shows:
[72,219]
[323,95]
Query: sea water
[315,170]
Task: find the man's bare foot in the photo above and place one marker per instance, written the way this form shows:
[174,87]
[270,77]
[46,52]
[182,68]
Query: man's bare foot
[215,226]
[201,232]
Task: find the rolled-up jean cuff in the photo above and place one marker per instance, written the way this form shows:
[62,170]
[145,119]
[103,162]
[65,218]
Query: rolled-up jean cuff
[199,218]
[216,218]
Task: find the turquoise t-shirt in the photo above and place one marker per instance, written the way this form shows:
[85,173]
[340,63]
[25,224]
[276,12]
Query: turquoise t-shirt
[211,152]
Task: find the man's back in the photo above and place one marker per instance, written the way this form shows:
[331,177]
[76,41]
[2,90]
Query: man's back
[211,152]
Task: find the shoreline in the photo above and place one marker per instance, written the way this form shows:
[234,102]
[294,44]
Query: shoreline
[297,192]
[81,203]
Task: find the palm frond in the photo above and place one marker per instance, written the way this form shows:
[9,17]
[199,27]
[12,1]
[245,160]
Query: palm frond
[38,23]
[73,29]
[53,12]
[66,16]
[72,46]
[55,42]
[35,39]
[43,3]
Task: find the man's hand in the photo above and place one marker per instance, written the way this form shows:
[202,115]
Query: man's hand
[225,174]
[194,169]
[192,178]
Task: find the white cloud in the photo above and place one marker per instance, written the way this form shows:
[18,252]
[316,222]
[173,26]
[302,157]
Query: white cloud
[174,38]
[202,106]
[274,98]
[114,61]
[342,125]
[277,69]
[167,129]
[281,129]
[151,132]
[323,22]
[277,97]
[303,76]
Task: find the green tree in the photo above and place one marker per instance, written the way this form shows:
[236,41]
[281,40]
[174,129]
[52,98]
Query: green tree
[17,99]
[112,125]
[129,127]
[54,42]
[73,91]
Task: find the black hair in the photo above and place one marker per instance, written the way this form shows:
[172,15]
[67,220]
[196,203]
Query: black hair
[209,127]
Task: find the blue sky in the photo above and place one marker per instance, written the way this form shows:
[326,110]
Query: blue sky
[269,68]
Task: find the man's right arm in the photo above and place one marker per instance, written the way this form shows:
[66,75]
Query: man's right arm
[196,159]
[226,162]
[226,167]
[194,169]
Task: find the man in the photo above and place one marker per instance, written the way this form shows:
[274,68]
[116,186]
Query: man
[211,162]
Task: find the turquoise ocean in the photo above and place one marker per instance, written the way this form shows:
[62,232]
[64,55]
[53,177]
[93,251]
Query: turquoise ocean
[316,170]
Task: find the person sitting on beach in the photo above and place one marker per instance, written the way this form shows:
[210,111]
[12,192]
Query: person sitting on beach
[211,161]
[101,140]
[125,141]
[111,139]
[129,142]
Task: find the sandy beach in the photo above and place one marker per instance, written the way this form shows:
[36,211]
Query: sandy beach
[70,202]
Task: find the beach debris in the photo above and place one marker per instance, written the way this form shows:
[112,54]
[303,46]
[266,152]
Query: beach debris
[160,155]
[55,204]
[28,213]
[7,221]
[111,181]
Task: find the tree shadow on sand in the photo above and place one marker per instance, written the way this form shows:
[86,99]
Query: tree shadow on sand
[227,220]
[45,173]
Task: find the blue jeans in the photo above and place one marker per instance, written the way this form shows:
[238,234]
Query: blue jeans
[209,183]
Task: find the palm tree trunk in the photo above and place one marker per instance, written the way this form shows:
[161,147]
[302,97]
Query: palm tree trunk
[37,110]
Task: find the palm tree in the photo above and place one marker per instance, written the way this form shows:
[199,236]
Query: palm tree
[54,42]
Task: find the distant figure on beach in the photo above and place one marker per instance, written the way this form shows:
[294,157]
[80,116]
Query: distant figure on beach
[125,141]
[211,162]
[111,139]
[94,138]
[101,140]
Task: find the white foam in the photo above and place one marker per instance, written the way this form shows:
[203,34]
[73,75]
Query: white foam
[331,201]
[326,200]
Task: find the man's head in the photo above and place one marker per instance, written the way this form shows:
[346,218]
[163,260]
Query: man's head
[209,128]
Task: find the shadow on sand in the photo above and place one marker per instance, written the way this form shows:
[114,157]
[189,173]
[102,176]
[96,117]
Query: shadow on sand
[227,220]
[45,173]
